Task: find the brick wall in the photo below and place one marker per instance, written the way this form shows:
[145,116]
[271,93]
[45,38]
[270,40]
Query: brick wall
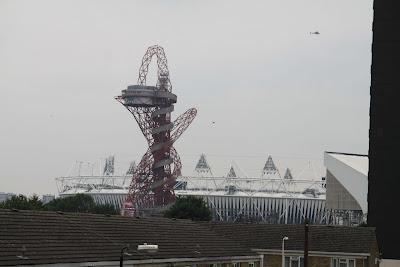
[272,261]
[276,261]
[222,264]
[319,262]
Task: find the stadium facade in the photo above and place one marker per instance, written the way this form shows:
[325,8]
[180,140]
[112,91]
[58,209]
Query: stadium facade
[269,198]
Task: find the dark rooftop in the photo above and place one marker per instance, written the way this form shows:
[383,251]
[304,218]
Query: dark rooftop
[37,237]
[322,238]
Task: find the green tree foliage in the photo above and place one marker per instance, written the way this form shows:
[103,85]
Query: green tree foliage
[104,209]
[189,208]
[77,203]
[22,202]
[80,203]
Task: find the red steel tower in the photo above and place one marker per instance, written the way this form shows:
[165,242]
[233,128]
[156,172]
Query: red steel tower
[155,176]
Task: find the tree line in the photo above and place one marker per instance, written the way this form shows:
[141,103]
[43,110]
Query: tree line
[189,207]
[77,203]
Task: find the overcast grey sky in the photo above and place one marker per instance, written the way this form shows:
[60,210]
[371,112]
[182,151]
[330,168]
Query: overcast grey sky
[250,66]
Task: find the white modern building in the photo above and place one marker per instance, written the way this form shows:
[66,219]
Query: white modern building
[346,187]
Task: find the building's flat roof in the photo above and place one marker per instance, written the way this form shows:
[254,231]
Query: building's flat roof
[356,161]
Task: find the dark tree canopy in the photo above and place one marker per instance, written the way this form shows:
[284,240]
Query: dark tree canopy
[77,203]
[189,208]
[80,203]
[22,202]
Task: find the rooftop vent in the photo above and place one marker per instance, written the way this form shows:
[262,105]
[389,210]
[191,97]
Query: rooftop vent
[148,247]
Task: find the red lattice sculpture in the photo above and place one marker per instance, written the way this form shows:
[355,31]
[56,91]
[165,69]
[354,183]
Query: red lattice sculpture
[153,181]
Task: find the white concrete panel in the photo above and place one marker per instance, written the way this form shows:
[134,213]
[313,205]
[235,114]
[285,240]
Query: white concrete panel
[352,172]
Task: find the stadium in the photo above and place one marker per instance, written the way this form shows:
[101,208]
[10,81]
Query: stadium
[269,198]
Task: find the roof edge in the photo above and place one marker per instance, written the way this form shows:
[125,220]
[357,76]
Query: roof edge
[149,261]
[345,153]
[313,253]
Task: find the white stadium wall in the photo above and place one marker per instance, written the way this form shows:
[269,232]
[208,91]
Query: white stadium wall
[351,171]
